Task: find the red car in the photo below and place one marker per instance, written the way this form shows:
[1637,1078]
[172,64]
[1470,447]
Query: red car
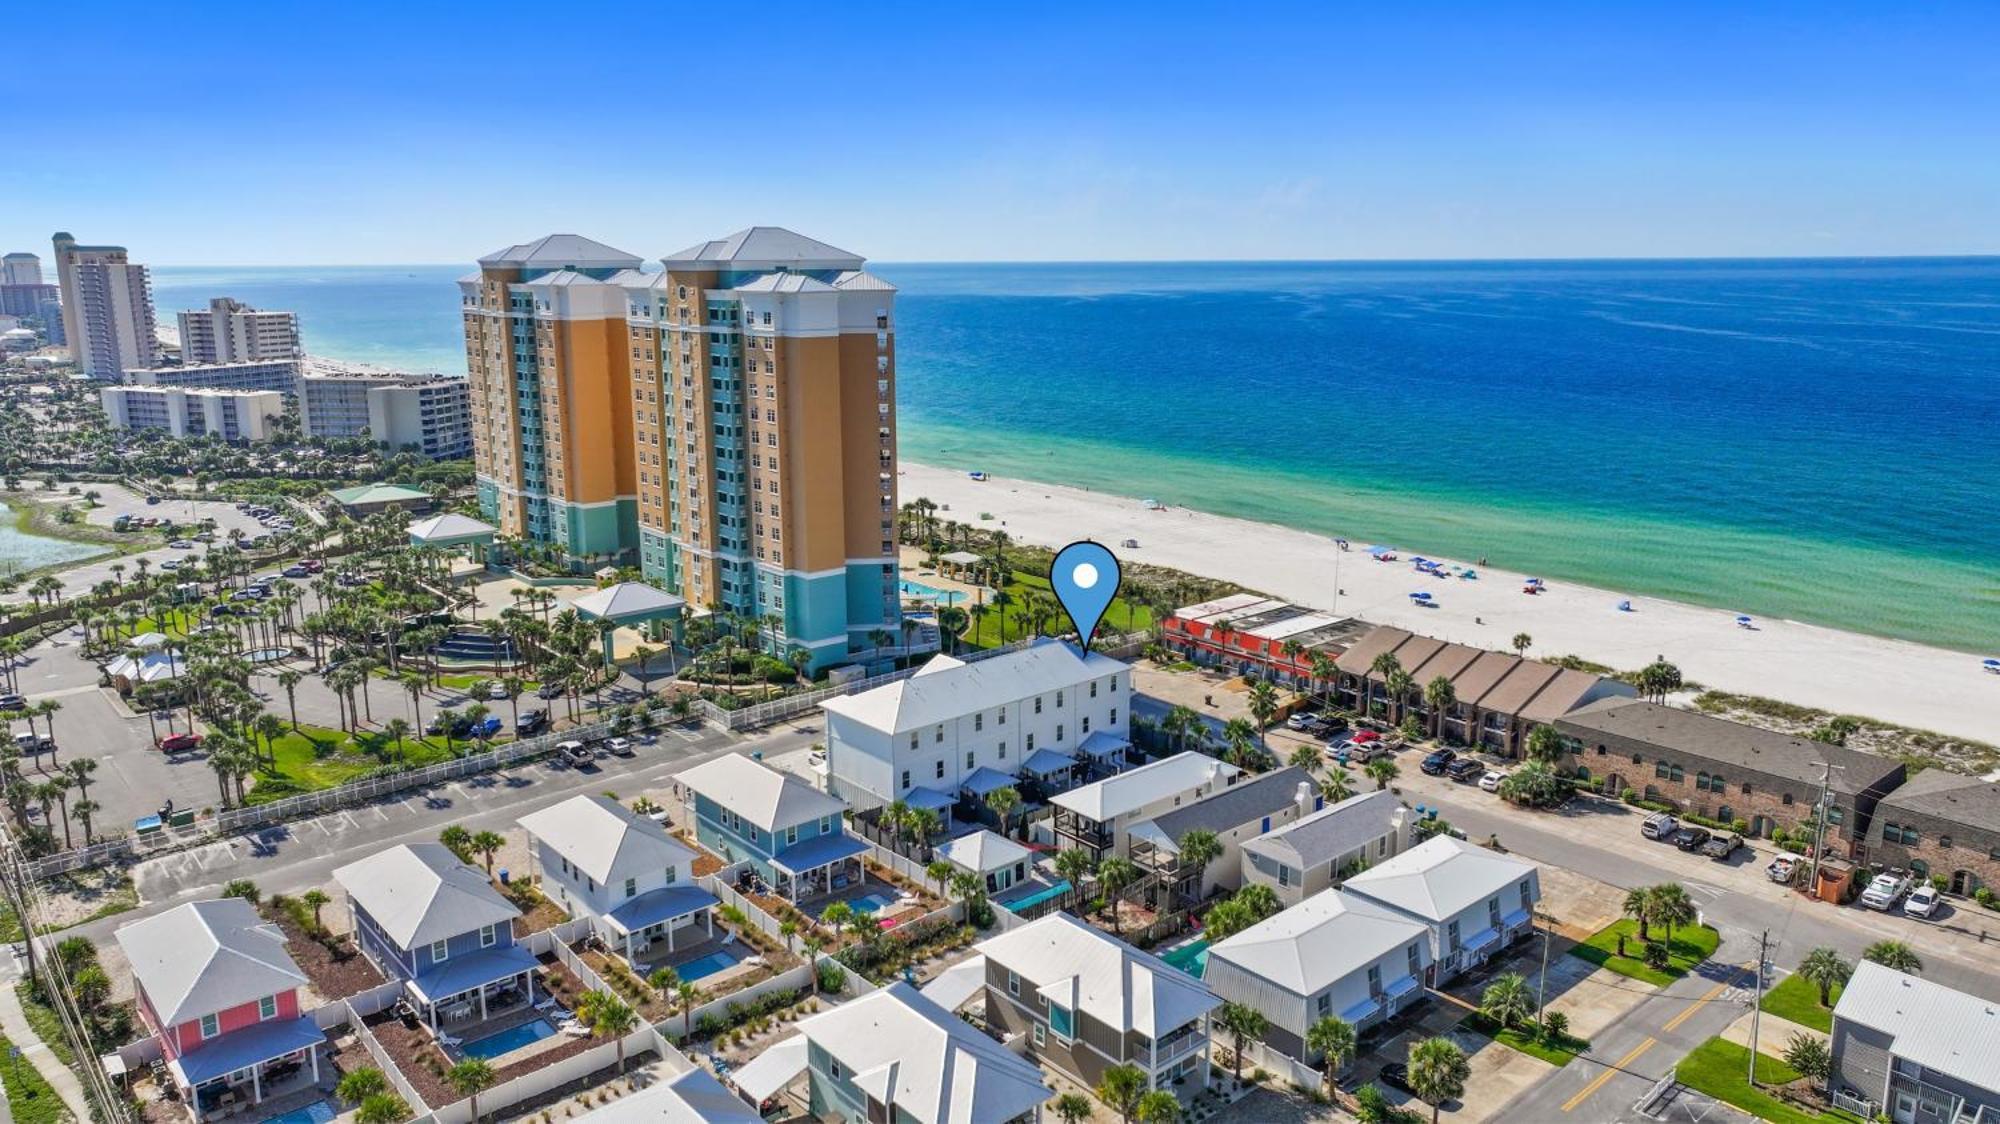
[1364,737]
[180,743]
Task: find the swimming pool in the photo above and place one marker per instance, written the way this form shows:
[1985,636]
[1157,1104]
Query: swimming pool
[1037,898]
[931,593]
[706,965]
[513,1038]
[1191,958]
[318,1112]
[871,903]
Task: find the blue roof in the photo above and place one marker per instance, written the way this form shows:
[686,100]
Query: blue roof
[984,780]
[818,852]
[461,974]
[663,904]
[921,797]
[240,1049]
[1042,762]
[1103,743]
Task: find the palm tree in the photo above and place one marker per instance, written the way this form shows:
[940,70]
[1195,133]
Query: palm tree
[1001,600]
[1440,695]
[1382,771]
[1438,1072]
[1384,666]
[315,899]
[458,841]
[1245,1024]
[1824,969]
[1158,1107]
[487,844]
[1073,1108]
[1894,955]
[1003,801]
[359,1084]
[83,810]
[1508,1001]
[1305,757]
[1398,685]
[470,1078]
[383,1108]
[1521,643]
[1121,1088]
[1672,907]
[1113,875]
[1199,848]
[1263,702]
[1335,787]
[1546,745]
[289,679]
[608,1015]
[1638,906]
[397,729]
[1334,1040]
[1074,865]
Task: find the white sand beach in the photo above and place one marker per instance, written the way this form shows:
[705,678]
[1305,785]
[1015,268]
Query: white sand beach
[1891,680]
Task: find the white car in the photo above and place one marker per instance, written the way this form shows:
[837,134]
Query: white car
[1491,781]
[1782,868]
[1922,902]
[1885,891]
[619,747]
[497,691]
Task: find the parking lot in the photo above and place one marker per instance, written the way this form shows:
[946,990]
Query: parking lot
[117,501]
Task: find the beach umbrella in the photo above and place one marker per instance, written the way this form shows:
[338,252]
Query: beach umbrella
[1378,549]
[1990,665]
[1624,606]
[1743,621]
[1420,596]
[1531,581]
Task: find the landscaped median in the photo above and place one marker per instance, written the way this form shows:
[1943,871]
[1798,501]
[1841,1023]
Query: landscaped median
[1719,1068]
[1555,1051]
[1689,946]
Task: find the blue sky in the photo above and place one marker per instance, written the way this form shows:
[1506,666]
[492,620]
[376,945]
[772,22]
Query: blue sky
[361,132]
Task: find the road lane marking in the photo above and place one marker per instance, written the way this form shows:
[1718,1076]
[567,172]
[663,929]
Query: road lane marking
[1609,1072]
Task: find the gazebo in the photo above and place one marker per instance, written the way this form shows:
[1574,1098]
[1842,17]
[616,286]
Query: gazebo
[962,560]
[450,529]
[628,605]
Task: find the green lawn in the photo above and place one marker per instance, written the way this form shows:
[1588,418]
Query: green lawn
[1527,1042]
[174,622]
[1718,1069]
[1690,947]
[30,1099]
[1122,616]
[1797,998]
[316,757]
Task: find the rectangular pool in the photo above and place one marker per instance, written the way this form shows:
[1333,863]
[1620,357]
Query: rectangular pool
[706,965]
[1191,958]
[513,1038]
[318,1112]
[871,903]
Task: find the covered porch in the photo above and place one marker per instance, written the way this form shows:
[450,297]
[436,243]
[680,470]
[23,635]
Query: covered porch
[1105,753]
[468,990]
[1052,771]
[634,605]
[225,1075]
[817,867]
[662,916]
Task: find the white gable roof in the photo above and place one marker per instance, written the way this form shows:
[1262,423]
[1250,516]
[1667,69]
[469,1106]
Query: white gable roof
[1934,1026]
[760,247]
[767,798]
[1439,878]
[1091,971]
[605,839]
[784,283]
[206,957]
[945,689]
[1129,791]
[1319,941]
[447,526]
[904,1050]
[420,892]
[559,251]
[855,280]
[983,851]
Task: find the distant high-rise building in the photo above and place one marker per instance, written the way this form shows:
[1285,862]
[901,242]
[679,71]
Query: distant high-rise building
[233,415]
[230,331]
[728,424]
[107,309]
[51,313]
[430,413]
[20,269]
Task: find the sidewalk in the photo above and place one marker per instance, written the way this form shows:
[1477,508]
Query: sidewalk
[14,1023]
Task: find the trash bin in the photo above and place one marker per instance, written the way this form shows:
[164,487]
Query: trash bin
[504,876]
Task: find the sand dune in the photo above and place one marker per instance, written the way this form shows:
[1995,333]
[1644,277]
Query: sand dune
[1892,680]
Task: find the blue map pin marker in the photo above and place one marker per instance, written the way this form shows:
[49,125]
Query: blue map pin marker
[1085,577]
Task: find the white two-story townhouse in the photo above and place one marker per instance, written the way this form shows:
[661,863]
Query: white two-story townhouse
[1099,817]
[1041,718]
[1314,852]
[1474,901]
[1333,955]
[601,860]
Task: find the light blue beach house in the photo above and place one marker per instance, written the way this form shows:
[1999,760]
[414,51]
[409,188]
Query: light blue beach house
[423,917]
[790,832]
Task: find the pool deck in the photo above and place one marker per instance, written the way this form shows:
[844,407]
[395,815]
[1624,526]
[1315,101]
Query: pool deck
[714,983]
[503,1023]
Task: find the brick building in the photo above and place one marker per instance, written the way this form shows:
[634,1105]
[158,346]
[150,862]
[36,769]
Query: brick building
[1941,823]
[1729,771]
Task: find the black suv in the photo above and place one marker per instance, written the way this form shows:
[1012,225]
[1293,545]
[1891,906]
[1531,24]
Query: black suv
[1465,770]
[1438,762]
[1692,838]
[531,722]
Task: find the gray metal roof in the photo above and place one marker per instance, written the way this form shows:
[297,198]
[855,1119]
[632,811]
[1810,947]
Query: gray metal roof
[1968,801]
[1238,804]
[206,957]
[1317,942]
[1946,1031]
[562,251]
[605,839]
[1700,736]
[758,247]
[1333,831]
[766,797]
[1439,878]
[420,892]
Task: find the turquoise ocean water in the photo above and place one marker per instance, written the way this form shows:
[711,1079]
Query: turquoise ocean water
[1816,439]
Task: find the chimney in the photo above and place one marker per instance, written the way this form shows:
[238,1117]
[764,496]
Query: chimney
[1304,798]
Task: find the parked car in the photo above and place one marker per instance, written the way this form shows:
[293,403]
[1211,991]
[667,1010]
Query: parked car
[180,743]
[1491,781]
[1692,838]
[531,722]
[1722,847]
[12,702]
[1438,762]
[1300,721]
[182,544]
[1465,770]
[170,564]
[313,565]
[1885,890]
[1782,868]
[296,571]
[1922,902]
[619,747]
[549,691]
[1660,825]
[497,691]
[487,727]
[1396,1075]
[575,752]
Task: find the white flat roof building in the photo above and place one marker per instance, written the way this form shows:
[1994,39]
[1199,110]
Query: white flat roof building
[233,415]
[229,331]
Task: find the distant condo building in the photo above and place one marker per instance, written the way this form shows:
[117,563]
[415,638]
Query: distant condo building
[430,413]
[107,305]
[755,467]
[22,290]
[20,269]
[233,332]
[233,415]
[281,375]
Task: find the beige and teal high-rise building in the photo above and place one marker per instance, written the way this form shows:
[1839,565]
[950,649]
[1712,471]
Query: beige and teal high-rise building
[728,424]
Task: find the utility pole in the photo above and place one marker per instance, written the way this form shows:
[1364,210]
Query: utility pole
[1757,1009]
[1826,769]
[1542,984]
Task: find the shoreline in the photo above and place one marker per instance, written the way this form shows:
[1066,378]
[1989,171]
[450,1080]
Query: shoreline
[1842,672]
[31,519]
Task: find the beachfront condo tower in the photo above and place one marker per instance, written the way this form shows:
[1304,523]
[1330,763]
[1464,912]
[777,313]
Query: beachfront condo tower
[107,308]
[727,424]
